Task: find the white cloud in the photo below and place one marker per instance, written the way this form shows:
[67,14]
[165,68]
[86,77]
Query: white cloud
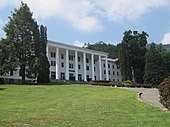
[166,39]
[78,43]
[75,12]
[87,15]
[120,10]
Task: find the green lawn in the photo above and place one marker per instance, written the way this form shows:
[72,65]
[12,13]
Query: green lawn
[76,106]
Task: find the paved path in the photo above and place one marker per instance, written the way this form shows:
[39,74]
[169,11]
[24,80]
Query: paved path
[149,95]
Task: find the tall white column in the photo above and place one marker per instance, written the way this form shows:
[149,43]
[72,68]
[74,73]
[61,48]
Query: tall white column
[92,65]
[57,63]
[106,62]
[67,65]
[76,66]
[84,64]
[100,68]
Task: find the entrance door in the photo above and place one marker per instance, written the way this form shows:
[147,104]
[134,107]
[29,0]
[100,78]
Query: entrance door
[79,77]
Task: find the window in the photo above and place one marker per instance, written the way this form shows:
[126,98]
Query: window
[78,59]
[87,67]
[108,65]
[70,57]
[117,66]
[62,56]
[62,75]
[94,69]
[62,64]
[109,72]
[71,65]
[87,60]
[71,75]
[117,73]
[104,65]
[87,77]
[53,75]
[113,66]
[79,77]
[95,77]
[94,61]
[52,63]
[11,73]
[53,54]
[104,71]
[79,66]
[113,73]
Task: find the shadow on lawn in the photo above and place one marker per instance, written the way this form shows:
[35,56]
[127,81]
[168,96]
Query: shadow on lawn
[1,89]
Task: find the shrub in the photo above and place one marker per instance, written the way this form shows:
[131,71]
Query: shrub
[141,85]
[106,83]
[128,82]
[164,90]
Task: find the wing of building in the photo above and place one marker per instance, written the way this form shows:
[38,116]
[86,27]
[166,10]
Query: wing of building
[68,62]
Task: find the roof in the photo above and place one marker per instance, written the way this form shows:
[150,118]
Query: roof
[72,47]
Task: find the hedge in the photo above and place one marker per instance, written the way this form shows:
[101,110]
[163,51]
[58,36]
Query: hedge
[118,84]
[164,90]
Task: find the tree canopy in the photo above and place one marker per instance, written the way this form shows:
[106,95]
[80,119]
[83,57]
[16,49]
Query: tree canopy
[132,51]
[25,41]
[155,70]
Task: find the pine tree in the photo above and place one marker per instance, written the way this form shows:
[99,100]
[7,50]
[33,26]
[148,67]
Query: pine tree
[20,33]
[166,58]
[124,64]
[26,46]
[43,64]
[154,69]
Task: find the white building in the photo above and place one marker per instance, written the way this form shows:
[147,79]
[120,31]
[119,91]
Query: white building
[74,63]
[68,62]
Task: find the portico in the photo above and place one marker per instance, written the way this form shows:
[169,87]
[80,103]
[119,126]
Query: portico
[75,63]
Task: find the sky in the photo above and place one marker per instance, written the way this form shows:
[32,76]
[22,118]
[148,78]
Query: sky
[76,22]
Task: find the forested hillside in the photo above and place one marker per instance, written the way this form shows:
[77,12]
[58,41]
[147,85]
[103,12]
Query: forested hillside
[104,47]
[165,46]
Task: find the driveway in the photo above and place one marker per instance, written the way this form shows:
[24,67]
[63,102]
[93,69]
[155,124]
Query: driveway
[149,95]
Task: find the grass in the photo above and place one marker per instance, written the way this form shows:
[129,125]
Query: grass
[76,106]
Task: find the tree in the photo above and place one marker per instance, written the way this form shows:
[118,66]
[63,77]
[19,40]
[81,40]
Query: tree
[39,66]
[27,43]
[154,69]
[134,46]
[20,32]
[124,64]
[166,59]
[43,64]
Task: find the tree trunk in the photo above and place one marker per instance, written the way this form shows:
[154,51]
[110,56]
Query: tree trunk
[23,73]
